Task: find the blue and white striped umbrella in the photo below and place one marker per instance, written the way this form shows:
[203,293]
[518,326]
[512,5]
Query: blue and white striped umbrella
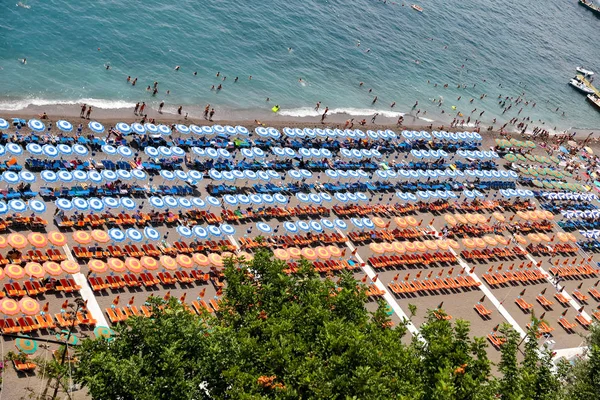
[256,198]
[151,151]
[248,153]
[96,127]
[124,128]
[273,174]
[295,174]
[263,227]
[3,207]
[185,203]
[34,149]
[250,174]
[315,198]
[36,125]
[267,198]
[218,129]
[64,126]
[423,194]
[110,202]
[10,177]
[14,149]
[196,175]
[200,232]
[182,175]
[228,176]
[109,175]
[139,174]
[231,200]
[289,152]
[80,149]
[261,131]
[214,230]
[331,173]
[214,174]
[116,235]
[96,204]
[304,152]
[165,151]
[109,149]
[242,130]
[262,175]
[243,199]
[341,197]
[469,194]
[315,226]
[95,176]
[4,124]
[212,153]
[64,149]
[290,227]
[224,153]
[227,229]
[367,223]
[237,174]
[303,225]
[346,153]
[17,205]
[184,231]
[168,175]
[124,151]
[151,233]
[170,201]
[64,204]
[50,150]
[340,224]
[327,224]
[128,203]
[305,173]
[199,151]
[289,132]
[182,129]
[198,202]
[303,197]
[138,128]
[27,176]
[134,234]
[358,223]
[351,197]
[80,204]
[258,152]
[278,151]
[213,201]
[65,176]
[37,206]
[177,151]
[124,174]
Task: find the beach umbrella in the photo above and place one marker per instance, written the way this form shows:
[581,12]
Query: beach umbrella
[184,261]
[198,202]
[82,237]
[14,148]
[134,235]
[213,201]
[200,232]
[95,176]
[184,231]
[185,203]
[96,127]
[80,204]
[263,227]
[164,129]
[10,177]
[110,175]
[65,176]
[124,128]
[151,233]
[34,270]
[165,151]
[290,227]
[34,149]
[79,175]
[103,332]
[70,267]
[36,125]
[37,239]
[116,235]
[184,129]
[168,263]
[80,149]
[110,202]
[97,266]
[138,128]
[57,238]
[227,229]
[100,236]
[52,268]
[151,151]
[14,271]
[124,151]
[27,176]
[17,205]
[26,345]
[4,124]
[64,126]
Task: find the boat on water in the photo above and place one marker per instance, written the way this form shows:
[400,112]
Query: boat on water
[590,6]
[581,86]
[417,8]
[594,100]
[585,72]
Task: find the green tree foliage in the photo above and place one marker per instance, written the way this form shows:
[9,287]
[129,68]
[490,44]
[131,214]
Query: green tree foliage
[583,379]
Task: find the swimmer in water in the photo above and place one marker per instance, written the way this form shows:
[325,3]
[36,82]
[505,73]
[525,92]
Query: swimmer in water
[290,49]
[20,4]
[177,68]
[23,61]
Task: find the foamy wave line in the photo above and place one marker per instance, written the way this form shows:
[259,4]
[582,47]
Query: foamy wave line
[97,103]
[311,112]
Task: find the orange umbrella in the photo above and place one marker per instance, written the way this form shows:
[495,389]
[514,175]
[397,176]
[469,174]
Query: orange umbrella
[401,222]
[149,263]
[309,254]
[96,265]
[442,244]
[541,214]
[9,306]
[544,237]
[430,244]
[450,219]
[410,247]
[82,237]
[387,247]
[479,242]
[215,259]
[70,267]
[548,215]
[412,221]
[17,240]
[115,264]
[534,237]
[334,251]
[37,239]
[522,214]
[563,237]
[481,218]
[453,243]
[100,236]
[499,217]
[168,263]
[53,268]
[201,259]
[295,252]
[245,255]
[490,240]
[468,242]
[501,239]
[376,248]
[420,246]
[14,271]
[460,218]
[29,306]
[532,215]
[34,270]
[520,239]
[379,222]
[57,238]
[281,254]
[3,243]
[571,237]
[184,261]
[472,218]
[133,264]
[323,253]
[399,247]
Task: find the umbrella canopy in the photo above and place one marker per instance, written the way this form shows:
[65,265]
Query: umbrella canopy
[26,346]
[103,332]
[53,268]
[97,266]
[16,240]
[29,306]
[37,239]
[82,237]
[70,267]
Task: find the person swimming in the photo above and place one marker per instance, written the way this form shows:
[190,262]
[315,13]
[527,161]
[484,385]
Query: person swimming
[23,61]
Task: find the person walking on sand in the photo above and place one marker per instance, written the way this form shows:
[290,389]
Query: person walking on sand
[142,107]
[212,112]
[137,107]
[179,110]
[83,108]
[89,111]
[160,106]
[206,110]
[323,118]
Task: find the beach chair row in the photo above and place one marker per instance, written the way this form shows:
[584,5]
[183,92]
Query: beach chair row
[35,256]
[293,241]
[33,287]
[494,253]
[546,250]
[434,285]
[403,260]
[324,267]
[384,235]
[29,324]
[527,275]
[378,209]
[146,279]
[274,212]
[582,270]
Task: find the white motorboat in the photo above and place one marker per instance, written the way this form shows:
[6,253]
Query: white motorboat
[594,100]
[580,86]
[585,72]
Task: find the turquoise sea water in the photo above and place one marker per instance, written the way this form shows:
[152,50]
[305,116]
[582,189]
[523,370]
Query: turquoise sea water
[530,47]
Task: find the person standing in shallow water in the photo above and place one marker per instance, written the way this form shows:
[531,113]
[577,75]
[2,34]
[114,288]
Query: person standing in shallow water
[83,108]
[179,110]
[206,111]
[89,111]
[137,107]
[160,106]
[212,112]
